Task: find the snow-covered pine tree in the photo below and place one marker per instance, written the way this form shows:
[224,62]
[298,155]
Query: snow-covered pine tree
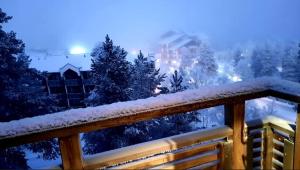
[111,73]
[176,124]
[289,64]
[176,83]
[144,80]
[20,95]
[264,61]
[206,61]
[145,77]
[203,69]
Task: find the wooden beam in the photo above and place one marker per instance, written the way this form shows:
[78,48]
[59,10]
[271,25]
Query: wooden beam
[168,157]
[70,150]
[288,154]
[267,147]
[235,118]
[190,162]
[120,119]
[107,122]
[297,141]
[154,147]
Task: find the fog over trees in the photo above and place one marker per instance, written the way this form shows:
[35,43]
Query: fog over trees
[117,80]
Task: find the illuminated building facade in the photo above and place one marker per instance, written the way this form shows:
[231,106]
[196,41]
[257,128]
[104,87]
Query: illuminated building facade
[175,50]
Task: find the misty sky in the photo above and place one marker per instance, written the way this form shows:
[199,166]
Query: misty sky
[135,24]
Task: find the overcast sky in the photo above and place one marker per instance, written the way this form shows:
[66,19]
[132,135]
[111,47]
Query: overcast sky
[134,24]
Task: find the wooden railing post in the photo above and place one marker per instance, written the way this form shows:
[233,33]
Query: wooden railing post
[70,150]
[267,147]
[297,141]
[288,154]
[235,118]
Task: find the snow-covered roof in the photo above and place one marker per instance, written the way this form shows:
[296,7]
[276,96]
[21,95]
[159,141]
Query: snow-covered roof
[69,67]
[52,62]
[169,39]
[176,40]
[78,117]
[181,43]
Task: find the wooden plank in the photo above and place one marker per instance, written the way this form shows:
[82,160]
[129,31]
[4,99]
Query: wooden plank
[297,141]
[234,117]
[190,161]
[134,152]
[227,156]
[268,148]
[213,165]
[221,156]
[70,150]
[284,95]
[250,152]
[167,157]
[45,134]
[288,158]
[277,164]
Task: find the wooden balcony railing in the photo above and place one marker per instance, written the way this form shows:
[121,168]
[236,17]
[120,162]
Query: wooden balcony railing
[271,143]
[268,143]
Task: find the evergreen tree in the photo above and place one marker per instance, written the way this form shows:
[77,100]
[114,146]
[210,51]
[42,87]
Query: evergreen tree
[264,61]
[203,69]
[289,64]
[206,61]
[145,78]
[20,93]
[176,124]
[176,83]
[110,73]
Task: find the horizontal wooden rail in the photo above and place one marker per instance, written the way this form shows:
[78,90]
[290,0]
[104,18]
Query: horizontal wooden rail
[274,122]
[168,157]
[68,124]
[147,149]
[89,119]
[107,122]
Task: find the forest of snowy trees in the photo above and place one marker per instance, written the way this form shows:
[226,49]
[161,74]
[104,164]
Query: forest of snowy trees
[118,80]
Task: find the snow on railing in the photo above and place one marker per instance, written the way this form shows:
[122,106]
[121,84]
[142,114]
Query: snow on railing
[80,116]
[67,125]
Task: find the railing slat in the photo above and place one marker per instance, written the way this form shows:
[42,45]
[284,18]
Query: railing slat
[235,118]
[71,153]
[250,151]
